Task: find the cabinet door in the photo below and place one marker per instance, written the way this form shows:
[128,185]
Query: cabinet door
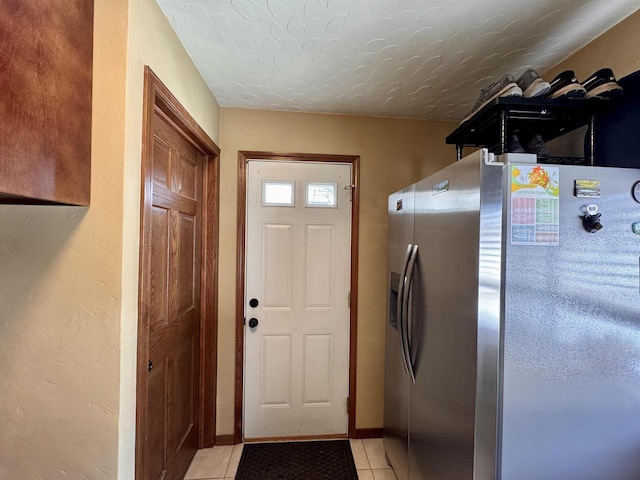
[45,106]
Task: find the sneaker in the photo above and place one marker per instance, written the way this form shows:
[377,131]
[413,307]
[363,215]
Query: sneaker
[532,84]
[602,84]
[566,85]
[514,145]
[536,145]
[505,87]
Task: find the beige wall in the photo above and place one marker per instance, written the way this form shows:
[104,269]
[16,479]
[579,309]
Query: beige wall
[68,289]
[152,42]
[393,153]
[618,48]
[60,301]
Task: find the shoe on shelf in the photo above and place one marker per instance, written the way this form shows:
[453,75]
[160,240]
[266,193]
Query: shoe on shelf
[566,85]
[505,87]
[514,145]
[602,84]
[536,145]
[532,85]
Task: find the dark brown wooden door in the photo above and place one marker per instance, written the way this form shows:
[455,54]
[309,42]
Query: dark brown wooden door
[171,296]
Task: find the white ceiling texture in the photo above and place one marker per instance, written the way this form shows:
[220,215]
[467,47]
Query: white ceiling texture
[394,58]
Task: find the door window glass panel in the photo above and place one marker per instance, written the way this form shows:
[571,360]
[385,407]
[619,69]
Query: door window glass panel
[278,193]
[321,194]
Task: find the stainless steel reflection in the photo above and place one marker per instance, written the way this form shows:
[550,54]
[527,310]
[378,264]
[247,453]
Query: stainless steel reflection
[396,394]
[443,399]
[490,262]
[571,373]
[526,358]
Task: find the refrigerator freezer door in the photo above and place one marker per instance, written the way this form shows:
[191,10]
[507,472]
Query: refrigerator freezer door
[396,391]
[443,337]
[571,401]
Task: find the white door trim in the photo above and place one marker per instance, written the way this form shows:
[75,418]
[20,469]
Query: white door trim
[243,157]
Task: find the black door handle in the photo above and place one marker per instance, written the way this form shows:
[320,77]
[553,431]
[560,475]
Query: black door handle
[253,323]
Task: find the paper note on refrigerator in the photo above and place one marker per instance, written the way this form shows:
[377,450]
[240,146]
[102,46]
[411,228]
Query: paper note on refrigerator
[535,205]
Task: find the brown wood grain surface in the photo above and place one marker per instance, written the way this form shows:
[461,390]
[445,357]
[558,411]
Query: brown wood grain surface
[177,325]
[45,101]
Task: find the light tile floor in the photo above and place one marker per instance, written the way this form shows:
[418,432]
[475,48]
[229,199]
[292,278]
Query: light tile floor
[221,462]
[368,455]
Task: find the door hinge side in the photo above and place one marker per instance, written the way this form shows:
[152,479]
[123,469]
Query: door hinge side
[347,402]
[350,189]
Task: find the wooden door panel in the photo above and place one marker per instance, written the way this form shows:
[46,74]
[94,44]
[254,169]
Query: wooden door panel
[181,395]
[184,177]
[156,431]
[161,153]
[173,283]
[186,255]
[158,295]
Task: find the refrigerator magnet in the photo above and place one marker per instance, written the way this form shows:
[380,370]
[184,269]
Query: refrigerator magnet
[635,191]
[587,188]
[535,205]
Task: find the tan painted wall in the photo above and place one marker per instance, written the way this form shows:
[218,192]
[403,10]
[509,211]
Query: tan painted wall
[618,49]
[60,301]
[152,42]
[68,289]
[393,153]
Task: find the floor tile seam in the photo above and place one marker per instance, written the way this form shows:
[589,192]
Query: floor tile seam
[364,470]
[359,441]
[226,472]
[226,468]
[373,448]
[364,446]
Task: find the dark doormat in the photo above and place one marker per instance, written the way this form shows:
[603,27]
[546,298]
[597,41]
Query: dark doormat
[318,460]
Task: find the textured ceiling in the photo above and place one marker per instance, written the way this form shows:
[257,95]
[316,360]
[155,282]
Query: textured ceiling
[397,58]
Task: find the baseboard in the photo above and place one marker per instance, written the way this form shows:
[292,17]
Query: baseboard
[224,440]
[368,433]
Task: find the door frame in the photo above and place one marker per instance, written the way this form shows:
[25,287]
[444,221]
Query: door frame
[243,158]
[158,98]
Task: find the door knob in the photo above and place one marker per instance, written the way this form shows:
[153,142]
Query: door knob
[253,323]
[253,303]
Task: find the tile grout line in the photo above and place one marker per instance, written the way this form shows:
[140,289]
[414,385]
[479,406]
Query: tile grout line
[359,440]
[227,467]
[367,454]
[228,462]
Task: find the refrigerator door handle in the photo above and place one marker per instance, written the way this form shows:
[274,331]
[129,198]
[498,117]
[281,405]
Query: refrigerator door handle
[406,343]
[400,306]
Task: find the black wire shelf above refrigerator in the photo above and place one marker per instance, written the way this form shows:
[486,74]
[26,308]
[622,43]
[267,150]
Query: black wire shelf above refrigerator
[492,125]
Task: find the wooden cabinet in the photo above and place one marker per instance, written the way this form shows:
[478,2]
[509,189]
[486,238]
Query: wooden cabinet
[45,101]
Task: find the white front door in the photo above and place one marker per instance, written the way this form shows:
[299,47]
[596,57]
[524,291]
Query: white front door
[297,290]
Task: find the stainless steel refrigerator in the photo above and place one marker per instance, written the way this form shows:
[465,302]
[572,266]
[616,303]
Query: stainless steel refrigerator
[513,333]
